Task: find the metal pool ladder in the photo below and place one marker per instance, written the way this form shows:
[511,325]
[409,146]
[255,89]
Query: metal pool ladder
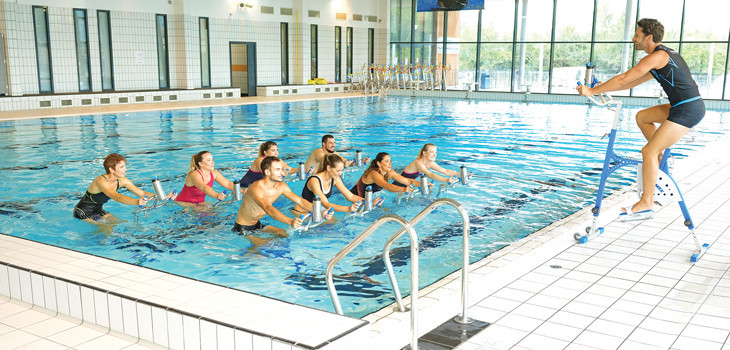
[408,227]
[414,267]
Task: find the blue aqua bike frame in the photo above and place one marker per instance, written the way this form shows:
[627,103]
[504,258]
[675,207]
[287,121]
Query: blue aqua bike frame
[666,189]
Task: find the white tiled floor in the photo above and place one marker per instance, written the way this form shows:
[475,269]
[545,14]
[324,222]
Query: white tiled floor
[22,327]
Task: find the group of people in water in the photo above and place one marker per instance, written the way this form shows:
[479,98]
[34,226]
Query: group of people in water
[263,183]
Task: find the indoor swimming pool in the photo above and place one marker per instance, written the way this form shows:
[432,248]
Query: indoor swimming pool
[533,164]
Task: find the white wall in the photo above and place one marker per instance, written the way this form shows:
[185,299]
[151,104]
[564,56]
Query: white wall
[134,40]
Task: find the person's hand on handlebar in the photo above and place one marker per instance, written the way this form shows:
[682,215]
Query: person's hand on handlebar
[584,90]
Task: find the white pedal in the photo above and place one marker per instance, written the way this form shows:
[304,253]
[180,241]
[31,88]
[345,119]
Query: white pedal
[665,190]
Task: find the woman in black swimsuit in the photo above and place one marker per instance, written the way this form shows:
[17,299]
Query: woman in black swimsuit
[104,187]
[324,180]
[377,175]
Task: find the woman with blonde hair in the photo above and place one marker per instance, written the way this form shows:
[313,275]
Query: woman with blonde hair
[200,178]
[427,160]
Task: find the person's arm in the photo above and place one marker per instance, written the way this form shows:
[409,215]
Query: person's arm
[346,191]
[111,191]
[404,180]
[422,168]
[638,74]
[266,205]
[380,181]
[289,170]
[314,186]
[223,181]
[296,199]
[447,172]
[201,185]
[348,163]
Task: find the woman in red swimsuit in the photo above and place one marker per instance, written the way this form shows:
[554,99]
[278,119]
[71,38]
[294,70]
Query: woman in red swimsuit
[199,181]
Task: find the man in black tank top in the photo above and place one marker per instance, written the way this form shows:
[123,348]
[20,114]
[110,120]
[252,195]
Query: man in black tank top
[684,110]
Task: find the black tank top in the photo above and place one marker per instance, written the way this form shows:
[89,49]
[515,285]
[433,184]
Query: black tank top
[676,79]
[309,195]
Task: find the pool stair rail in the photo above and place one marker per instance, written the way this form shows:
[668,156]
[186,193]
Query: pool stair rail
[407,227]
[665,191]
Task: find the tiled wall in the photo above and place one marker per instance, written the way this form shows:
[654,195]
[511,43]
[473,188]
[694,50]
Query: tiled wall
[134,42]
[119,314]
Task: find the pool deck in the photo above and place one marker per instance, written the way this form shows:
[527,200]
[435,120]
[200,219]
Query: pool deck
[633,287]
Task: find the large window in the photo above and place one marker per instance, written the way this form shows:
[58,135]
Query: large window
[284,32]
[349,54]
[204,34]
[42,49]
[338,54]
[314,50]
[81,30]
[105,50]
[371,45]
[543,45]
[162,58]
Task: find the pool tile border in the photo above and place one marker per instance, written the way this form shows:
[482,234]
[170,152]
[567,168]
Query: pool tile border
[197,320]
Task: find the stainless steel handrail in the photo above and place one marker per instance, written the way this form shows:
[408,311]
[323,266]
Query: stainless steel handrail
[414,268]
[464,319]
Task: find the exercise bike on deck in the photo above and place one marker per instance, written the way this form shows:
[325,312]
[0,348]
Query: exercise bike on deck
[665,191]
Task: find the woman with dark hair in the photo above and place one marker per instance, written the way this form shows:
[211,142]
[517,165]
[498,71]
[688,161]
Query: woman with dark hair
[322,183]
[377,175]
[427,159]
[254,173]
[105,187]
[200,178]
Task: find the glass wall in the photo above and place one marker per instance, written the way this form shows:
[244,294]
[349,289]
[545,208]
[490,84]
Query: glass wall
[204,34]
[284,32]
[314,50]
[371,45]
[348,62]
[338,54]
[42,49]
[543,45]
[162,58]
[105,50]
[81,31]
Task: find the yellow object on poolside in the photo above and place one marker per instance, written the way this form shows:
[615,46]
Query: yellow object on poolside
[320,81]
[311,82]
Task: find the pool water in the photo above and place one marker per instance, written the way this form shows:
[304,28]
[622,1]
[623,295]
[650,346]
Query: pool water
[533,164]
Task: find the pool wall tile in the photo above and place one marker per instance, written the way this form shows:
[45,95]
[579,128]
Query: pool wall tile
[277,345]
[207,335]
[14,282]
[74,301]
[36,285]
[244,340]
[191,328]
[159,325]
[26,292]
[49,293]
[62,297]
[175,330]
[225,338]
[144,322]
[87,305]
[116,319]
[101,308]
[4,281]
[260,342]
[129,317]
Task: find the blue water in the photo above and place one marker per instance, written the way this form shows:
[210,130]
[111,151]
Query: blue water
[533,164]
